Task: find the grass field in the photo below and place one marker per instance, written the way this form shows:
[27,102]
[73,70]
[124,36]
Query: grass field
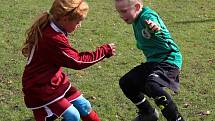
[191,22]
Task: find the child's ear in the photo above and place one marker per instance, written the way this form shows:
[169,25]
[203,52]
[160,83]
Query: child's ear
[137,6]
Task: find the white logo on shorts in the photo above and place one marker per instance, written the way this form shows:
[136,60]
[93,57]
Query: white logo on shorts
[154,74]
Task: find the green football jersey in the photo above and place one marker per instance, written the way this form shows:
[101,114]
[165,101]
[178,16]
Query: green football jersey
[157,46]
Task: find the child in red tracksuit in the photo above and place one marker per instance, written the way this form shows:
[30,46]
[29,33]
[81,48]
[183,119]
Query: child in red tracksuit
[47,91]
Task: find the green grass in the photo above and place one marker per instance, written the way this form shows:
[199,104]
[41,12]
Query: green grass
[191,22]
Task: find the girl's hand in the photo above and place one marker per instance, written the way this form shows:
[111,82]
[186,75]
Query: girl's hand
[113,47]
[152,25]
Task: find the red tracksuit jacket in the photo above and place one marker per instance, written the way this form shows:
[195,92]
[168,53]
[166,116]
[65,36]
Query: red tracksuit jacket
[43,80]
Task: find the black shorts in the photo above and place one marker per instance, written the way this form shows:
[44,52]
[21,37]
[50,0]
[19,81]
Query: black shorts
[166,74]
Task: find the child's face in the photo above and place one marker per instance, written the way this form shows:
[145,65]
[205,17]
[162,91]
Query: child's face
[71,25]
[126,11]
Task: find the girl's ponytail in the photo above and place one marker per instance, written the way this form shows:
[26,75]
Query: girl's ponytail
[76,9]
[34,33]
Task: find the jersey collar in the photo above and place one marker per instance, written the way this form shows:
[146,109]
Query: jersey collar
[57,28]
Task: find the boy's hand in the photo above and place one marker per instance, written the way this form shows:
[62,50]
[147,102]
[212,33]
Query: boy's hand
[152,25]
[113,47]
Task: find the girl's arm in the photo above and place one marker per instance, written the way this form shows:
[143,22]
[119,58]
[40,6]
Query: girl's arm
[62,54]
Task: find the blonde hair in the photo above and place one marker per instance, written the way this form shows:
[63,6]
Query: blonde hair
[75,9]
[131,2]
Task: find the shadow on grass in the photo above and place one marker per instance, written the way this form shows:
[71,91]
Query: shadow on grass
[195,21]
[29,119]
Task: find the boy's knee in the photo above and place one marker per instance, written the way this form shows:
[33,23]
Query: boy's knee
[148,89]
[151,89]
[162,102]
[161,97]
[121,81]
[124,82]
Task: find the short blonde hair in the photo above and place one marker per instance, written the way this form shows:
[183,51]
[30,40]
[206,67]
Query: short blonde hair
[131,2]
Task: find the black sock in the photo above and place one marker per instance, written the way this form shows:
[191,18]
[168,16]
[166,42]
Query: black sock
[145,107]
[170,112]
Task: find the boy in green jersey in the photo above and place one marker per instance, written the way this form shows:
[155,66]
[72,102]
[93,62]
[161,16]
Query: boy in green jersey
[162,66]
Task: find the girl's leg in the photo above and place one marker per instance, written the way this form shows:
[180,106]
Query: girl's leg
[71,114]
[85,109]
[65,109]
[42,114]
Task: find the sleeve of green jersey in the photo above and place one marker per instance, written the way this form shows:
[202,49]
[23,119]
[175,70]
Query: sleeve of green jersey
[153,17]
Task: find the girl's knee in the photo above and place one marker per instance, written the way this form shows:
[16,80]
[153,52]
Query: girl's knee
[71,114]
[83,106]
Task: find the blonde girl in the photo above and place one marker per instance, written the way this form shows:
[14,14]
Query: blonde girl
[47,90]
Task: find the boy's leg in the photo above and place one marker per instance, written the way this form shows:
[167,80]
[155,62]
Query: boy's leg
[130,85]
[85,109]
[163,101]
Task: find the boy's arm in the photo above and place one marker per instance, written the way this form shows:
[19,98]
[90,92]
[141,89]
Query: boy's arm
[153,27]
[152,22]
